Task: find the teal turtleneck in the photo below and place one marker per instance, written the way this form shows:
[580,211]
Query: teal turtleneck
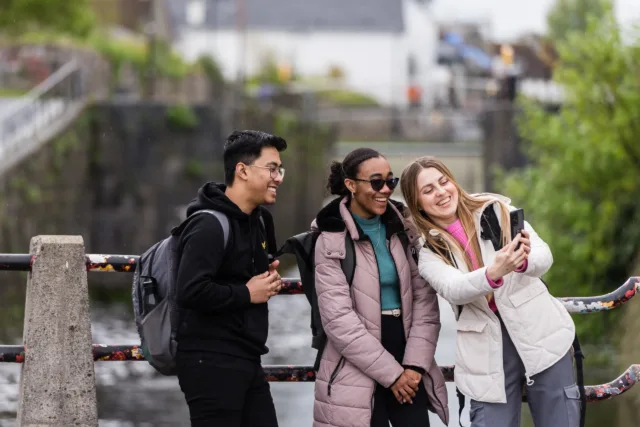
[389,282]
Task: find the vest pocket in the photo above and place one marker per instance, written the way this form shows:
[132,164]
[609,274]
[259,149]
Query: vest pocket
[473,346]
[572,399]
[526,293]
[466,324]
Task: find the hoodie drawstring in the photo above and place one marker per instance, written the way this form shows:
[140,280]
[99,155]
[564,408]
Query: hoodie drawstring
[530,382]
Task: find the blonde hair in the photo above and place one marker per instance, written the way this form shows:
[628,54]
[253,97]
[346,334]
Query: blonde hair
[467,205]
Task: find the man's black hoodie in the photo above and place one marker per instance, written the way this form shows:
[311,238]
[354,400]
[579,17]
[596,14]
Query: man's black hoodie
[211,281]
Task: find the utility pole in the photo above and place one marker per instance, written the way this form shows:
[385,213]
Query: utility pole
[241,36]
[151,31]
[502,142]
[241,32]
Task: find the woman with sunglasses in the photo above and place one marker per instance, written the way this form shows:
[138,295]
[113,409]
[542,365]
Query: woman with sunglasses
[378,364]
[511,332]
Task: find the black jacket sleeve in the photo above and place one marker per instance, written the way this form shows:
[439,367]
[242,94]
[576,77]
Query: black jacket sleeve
[202,246]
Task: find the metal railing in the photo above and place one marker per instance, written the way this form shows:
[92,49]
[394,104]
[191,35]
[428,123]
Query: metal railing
[32,120]
[276,373]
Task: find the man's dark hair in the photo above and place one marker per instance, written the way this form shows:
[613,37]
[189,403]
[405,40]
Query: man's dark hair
[245,147]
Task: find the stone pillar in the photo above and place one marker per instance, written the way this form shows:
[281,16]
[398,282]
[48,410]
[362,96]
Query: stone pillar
[57,385]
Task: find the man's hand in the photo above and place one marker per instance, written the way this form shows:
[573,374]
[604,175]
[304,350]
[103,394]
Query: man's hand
[274,265]
[273,270]
[264,286]
[405,388]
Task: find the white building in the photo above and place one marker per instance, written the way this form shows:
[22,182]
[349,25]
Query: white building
[374,42]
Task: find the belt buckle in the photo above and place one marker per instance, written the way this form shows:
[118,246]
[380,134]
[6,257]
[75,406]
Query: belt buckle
[395,312]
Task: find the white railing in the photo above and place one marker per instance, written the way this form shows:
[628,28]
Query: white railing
[546,91]
[29,122]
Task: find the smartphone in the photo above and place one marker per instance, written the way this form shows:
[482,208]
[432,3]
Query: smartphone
[517,223]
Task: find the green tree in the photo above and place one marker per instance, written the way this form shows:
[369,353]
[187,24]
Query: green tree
[582,193]
[73,17]
[568,16]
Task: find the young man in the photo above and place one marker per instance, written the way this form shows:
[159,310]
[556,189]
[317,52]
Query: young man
[225,291]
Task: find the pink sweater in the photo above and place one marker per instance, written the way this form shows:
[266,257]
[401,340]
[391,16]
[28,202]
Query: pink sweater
[457,231]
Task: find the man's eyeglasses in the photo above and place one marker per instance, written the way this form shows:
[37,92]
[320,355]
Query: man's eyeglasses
[378,183]
[274,171]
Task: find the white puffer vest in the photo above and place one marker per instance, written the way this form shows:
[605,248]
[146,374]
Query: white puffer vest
[540,327]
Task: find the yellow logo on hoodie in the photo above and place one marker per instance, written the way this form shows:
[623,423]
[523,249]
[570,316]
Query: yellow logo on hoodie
[264,245]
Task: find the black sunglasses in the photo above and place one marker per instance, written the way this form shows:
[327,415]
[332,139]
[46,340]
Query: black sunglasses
[378,183]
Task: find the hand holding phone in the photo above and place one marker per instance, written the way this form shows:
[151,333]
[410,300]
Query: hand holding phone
[517,223]
[508,259]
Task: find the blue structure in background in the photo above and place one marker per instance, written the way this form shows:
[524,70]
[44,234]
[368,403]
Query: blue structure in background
[455,42]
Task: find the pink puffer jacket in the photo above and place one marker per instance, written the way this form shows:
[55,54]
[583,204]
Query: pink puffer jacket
[354,359]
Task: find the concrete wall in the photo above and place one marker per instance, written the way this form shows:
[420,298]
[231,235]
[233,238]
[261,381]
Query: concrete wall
[123,174]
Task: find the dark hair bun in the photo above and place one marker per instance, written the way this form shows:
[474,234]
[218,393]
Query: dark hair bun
[348,169]
[335,184]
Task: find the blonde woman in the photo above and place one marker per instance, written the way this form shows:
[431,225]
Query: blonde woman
[510,331]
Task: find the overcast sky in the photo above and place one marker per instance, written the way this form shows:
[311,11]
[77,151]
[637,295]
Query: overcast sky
[510,18]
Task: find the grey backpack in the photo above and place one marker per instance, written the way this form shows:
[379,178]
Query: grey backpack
[154,296]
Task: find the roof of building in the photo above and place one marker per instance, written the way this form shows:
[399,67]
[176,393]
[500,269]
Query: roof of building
[293,15]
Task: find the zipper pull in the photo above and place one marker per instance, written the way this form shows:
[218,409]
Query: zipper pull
[329,390]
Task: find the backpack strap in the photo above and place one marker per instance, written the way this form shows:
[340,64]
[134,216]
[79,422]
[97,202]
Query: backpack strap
[222,218]
[579,356]
[461,402]
[404,239]
[348,264]
[490,228]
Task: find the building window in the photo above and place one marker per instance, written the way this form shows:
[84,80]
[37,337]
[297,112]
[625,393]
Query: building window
[412,67]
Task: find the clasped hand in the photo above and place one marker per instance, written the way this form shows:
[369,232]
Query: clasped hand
[406,387]
[265,285]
